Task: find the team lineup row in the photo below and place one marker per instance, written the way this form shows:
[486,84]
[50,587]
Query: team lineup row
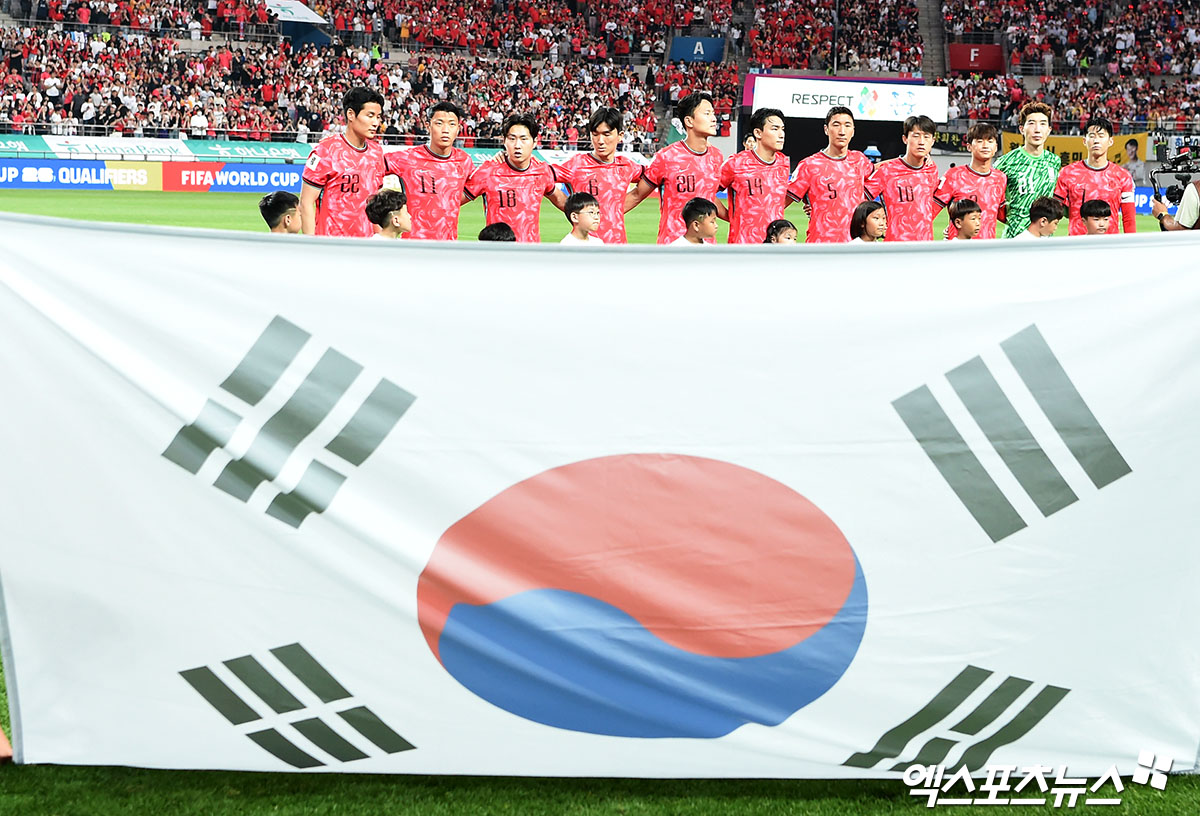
[435,180]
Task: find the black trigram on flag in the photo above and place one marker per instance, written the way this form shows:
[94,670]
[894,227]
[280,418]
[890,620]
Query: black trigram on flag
[305,409]
[1009,709]
[356,723]
[993,412]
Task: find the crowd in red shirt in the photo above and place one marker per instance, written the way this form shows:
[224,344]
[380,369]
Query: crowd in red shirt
[70,83]
[875,35]
[1158,37]
[1131,104]
[237,17]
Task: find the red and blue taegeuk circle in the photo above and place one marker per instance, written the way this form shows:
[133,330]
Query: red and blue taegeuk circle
[645,595]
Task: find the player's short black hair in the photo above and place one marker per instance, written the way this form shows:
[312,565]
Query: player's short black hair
[1046,207]
[1095,208]
[962,207]
[759,120]
[777,228]
[606,116]
[687,106]
[576,202]
[274,206]
[858,221]
[838,109]
[499,231]
[922,123]
[524,120]
[356,98]
[446,106]
[1100,123]
[381,206]
[983,131]
[698,208]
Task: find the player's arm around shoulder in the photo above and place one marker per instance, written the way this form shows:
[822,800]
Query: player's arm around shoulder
[317,172]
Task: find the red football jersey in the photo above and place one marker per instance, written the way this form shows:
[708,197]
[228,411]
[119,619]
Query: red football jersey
[757,194]
[434,186]
[833,187]
[907,194]
[985,189]
[1077,183]
[681,174]
[513,196]
[608,182]
[347,177]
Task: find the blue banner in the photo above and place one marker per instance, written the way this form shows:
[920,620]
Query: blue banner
[58,174]
[1141,201]
[697,49]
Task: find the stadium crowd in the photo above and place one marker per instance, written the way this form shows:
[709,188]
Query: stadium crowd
[877,35]
[1133,104]
[66,82]
[1159,37]
[198,17]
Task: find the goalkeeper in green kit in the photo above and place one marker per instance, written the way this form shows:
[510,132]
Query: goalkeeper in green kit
[1032,170]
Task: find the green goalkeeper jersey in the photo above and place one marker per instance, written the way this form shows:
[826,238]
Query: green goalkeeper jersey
[1029,178]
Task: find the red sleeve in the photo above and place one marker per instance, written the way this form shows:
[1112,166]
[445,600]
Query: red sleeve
[318,170]
[1129,216]
[654,172]
[565,173]
[726,177]
[393,162]
[1061,192]
[635,171]
[551,179]
[798,189]
[945,192]
[477,182]
[874,182]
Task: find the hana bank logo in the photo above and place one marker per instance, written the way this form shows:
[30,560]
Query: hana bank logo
[645,595]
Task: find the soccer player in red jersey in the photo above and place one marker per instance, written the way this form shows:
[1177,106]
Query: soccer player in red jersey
[756,180]
[1097,178]
[513,186]
[977,181]
[832,181]
[685,170]
[345,170]
[603,173]
[906,184]
[434,176]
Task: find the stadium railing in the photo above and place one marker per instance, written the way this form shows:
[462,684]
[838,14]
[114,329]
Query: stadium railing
[516,52]
[1070,127]
[179,34]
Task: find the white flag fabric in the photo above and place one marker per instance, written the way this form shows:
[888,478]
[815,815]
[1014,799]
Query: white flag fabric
[279,503]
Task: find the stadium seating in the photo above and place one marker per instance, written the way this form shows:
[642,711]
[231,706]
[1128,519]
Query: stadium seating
[876,35]
[264,91]
[1056,36]
[237,17]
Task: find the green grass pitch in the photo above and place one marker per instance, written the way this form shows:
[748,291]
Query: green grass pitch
[97,791]
[239,211]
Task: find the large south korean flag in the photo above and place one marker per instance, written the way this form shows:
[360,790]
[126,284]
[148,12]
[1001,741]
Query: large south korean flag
[288,504]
